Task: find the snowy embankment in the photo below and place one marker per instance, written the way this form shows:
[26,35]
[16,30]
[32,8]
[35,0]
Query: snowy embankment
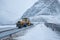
[7,26]
[40,32]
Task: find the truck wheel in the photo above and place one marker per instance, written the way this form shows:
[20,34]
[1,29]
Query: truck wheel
[25,25]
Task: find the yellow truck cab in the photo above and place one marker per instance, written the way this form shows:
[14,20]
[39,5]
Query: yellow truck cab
[23,23]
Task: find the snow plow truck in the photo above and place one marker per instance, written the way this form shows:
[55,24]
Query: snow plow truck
[23,23]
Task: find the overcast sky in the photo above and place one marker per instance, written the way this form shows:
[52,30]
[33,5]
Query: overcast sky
[11,10]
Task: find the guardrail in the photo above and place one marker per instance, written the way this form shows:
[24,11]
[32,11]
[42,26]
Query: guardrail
[6,29]
[7,35]
[6,32]
[53,26]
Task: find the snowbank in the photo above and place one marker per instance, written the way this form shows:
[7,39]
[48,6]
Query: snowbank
[40,32]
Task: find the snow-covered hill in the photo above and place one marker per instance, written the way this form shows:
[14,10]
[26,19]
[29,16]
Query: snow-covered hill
[43,7]
[44,11]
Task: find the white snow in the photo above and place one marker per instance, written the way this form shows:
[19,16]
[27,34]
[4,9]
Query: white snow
[12,10]
[6,26]
[40,32]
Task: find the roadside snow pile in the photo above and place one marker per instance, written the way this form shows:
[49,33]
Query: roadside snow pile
[40,32]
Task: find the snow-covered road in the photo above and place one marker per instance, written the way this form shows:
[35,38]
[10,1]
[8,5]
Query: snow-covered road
[40,32]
